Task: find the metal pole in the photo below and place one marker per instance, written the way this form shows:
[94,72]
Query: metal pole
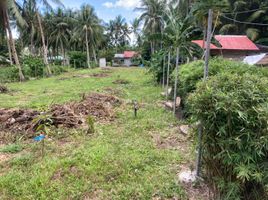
[168,75]
[199,154]
[206,70]
[164,63]
[210,16]
[176,81]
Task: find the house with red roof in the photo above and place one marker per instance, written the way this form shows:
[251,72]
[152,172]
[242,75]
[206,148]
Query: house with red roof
[235,47]
[125,59]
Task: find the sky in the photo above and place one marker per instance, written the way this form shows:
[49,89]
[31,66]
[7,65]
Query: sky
[108,9]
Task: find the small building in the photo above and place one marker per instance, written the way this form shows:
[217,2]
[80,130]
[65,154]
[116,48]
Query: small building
[259,59]
[235,47]
[125,59]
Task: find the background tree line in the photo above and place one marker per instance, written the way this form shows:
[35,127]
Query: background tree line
[163,25]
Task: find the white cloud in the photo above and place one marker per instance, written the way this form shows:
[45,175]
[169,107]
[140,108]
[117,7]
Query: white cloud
[108,4]
[127,4]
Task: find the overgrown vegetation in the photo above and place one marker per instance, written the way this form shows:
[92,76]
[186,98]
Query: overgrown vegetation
[233,111]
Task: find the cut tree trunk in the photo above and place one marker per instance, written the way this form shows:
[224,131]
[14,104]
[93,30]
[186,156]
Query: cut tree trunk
[44,44]
[88,57]
[176,80]
[13,47]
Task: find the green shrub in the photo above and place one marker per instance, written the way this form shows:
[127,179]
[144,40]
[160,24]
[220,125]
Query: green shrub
[78,59]
[233,110]
[33,66]
[155,65]
[190,74]
[9,74]
[58,69]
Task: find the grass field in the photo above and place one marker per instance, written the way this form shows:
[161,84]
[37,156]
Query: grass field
[120,161]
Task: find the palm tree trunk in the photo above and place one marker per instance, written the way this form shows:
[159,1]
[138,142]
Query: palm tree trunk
[176,81]
[13,47]
[62,51]
[94,54]
[32,41]
[168,68]
[44,44]
[9,51]
[88,58]
[152,47]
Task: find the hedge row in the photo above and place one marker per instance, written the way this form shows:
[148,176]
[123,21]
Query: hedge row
[232,106]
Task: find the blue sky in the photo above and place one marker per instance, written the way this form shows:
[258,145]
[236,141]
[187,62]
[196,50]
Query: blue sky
[108,9]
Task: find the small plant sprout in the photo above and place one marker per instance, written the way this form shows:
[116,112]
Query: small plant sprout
[135,107]
[90,123]
[41,138]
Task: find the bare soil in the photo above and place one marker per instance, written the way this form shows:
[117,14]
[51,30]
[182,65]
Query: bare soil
[181,142]
[3,89]
[121,81]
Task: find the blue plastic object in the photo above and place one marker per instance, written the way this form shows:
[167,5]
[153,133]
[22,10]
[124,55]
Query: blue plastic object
[39,138]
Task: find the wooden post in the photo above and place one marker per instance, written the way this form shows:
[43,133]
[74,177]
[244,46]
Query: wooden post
[176,80]
[168,68]
[206,69]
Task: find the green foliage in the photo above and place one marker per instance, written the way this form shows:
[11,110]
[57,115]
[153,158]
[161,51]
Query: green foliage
[90,123]
[58,69]
[22,161]
[9,74]
[155,65]
[12,148]
[33,66]
[233,110]
[192,73]
[78,59]
[108,54]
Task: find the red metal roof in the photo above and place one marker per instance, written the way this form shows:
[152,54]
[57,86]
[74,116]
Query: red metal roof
[129,54]
[231,42]
[200,43]
[236,42]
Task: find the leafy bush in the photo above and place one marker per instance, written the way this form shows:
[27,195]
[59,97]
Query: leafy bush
[190,74]
[58,69]
[78,59]
[155,65]
[33,67]
[233,110]
[9,74]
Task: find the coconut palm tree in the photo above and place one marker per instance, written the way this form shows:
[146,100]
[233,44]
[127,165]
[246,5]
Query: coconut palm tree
[135,25]
[239,10]
[89,28]
[9,7]
[57,25]
[153,12]
[45,4]
[118,31]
